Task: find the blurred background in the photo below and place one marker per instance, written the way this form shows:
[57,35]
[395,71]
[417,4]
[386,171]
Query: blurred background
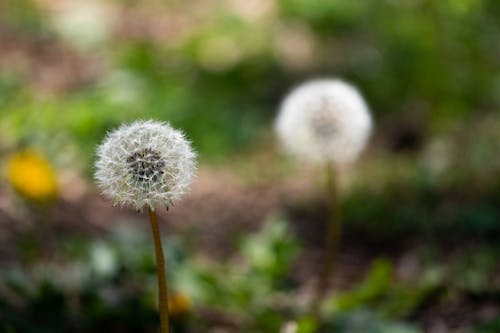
[421,207]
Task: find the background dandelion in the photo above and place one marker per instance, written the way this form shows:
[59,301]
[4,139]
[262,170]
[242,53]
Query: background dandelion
[32,176]
[325,121]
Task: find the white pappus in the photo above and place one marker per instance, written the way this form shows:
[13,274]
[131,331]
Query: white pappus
[145,163]
[324,120]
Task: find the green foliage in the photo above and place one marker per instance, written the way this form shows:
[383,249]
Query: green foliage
[100,286]
[111,283]
[386,296]
[363,321]
[22,16]
[103,284]
[376,284]
[474,270]
[253,287]
[491,327]
[307,325]
[270,252]
[327,15]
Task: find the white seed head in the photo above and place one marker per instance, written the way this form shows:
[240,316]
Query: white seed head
[324,120]
[145,163]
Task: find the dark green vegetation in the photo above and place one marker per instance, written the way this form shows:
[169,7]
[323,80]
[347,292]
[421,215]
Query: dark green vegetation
[110,285]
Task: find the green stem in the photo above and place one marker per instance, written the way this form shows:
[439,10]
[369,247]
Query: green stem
[160,272]
[332,245]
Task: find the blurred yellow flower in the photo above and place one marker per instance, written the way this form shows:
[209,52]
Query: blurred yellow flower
[32,175]
[178,305]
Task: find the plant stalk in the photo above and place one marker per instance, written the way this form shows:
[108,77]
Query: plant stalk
[160,272]
[332,244]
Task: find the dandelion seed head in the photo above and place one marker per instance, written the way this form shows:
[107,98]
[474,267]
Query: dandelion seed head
[144,164]
[324,120]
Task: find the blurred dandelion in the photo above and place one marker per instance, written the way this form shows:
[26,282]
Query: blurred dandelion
[83,24]
[32,176]
[144,164]
[179,305]
[325,122]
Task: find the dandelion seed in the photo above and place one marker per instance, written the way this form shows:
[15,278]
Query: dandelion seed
[324,120]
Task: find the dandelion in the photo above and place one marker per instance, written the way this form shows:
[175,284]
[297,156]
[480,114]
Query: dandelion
[32,176]
[179,305]
[146,164]
[325,122]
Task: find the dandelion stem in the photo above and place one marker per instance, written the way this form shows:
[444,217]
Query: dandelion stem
[160,272]
[332,245]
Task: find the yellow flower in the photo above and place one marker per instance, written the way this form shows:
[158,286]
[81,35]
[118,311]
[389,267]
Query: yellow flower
[178,305]
[32,175]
